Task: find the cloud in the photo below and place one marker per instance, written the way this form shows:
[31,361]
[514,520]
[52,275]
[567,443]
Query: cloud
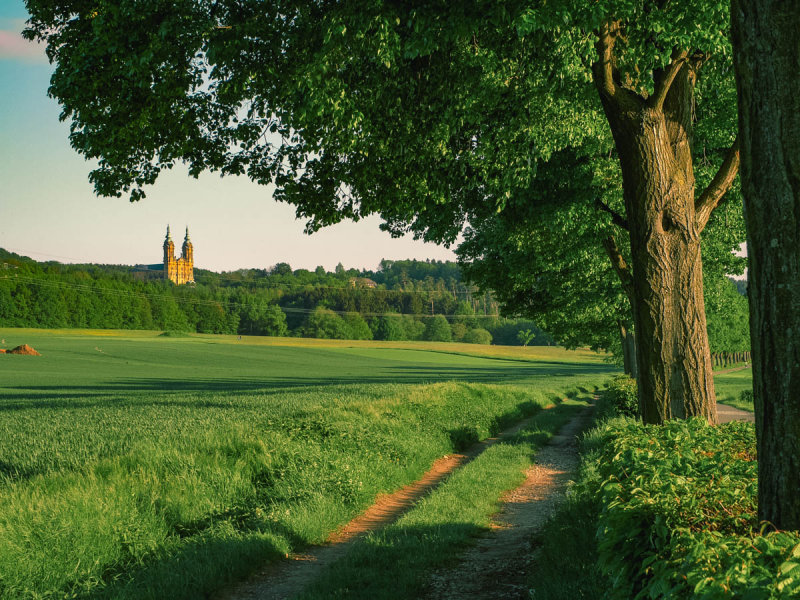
[14,47]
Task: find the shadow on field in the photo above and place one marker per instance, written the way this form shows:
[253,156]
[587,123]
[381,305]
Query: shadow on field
[59,395]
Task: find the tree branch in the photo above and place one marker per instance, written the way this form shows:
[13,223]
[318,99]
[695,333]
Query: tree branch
[656,101]
[603,69]
[713,194]
[620,266]
[616,218]
[604,72]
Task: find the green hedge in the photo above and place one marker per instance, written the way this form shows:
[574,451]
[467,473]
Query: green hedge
[623,396]
[677,514]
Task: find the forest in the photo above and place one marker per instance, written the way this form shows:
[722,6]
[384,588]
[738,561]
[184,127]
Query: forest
[411,300]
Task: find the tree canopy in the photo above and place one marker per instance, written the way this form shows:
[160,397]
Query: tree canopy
[430,115]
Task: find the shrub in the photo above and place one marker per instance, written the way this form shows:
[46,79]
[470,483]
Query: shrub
[437,329]
[622,393]
[359,330]
[678,515]
[459,331]
[478,336]
[746,396]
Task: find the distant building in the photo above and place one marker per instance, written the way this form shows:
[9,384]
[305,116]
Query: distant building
[178,270]
[362,282]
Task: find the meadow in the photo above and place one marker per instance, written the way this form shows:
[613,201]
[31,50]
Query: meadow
[729,388]
[134,465]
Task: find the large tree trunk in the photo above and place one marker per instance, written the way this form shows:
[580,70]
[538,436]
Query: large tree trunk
[653,142]
[767,59]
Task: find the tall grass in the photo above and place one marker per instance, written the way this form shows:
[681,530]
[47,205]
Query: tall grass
[125,482]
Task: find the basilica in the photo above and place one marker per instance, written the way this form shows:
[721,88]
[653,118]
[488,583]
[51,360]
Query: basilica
[179,270]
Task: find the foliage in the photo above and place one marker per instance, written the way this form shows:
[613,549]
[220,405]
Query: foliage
[275,302]
[678,515]
[437,329]
[623,396]
[478,336]
[728,316]
[182,464]
[357,326]
[324,323]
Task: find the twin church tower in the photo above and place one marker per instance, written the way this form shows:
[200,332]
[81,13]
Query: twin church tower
[179,270]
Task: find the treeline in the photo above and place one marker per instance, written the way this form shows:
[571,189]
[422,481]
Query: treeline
[403,300]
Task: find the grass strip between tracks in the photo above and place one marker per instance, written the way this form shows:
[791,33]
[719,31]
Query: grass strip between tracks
[395,562]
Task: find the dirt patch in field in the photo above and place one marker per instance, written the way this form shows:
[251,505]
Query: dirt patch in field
[497,566]
[24,349]
[286,579]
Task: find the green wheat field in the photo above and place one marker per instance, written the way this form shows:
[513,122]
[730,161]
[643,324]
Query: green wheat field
[137,465]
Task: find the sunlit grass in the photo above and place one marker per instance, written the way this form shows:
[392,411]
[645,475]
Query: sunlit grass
[729,388]
[139,466]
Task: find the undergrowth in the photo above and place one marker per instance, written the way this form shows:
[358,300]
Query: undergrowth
[668,512]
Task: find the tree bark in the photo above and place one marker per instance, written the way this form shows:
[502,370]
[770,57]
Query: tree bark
[767,60]
[628,349]
[652,137]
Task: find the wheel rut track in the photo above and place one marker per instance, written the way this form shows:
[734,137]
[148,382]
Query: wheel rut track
[288,578]
[496,567]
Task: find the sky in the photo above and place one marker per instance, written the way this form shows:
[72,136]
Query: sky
[48,210]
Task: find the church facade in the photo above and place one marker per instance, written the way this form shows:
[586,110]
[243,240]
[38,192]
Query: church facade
[179,270]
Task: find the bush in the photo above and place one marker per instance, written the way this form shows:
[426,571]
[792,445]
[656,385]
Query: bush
[622,393]
[678,515]
[437,329]
[478,336]
[746,396]
[359,330]
[459,331]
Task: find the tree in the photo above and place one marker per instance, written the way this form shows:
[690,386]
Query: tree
[437,329]
[571,289]
[358,328]
[478,336]
[326,324]
[388,328]
[323,100]
[766,55]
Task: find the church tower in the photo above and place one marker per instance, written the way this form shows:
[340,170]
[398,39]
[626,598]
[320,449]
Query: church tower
[170,265]
[186,261]
[169,249]
[187,250]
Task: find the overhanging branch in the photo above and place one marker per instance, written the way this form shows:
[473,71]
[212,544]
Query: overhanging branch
[656,101]
[616,218]
[716,190]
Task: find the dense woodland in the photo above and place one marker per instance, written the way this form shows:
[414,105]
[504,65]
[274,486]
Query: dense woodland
[412,300]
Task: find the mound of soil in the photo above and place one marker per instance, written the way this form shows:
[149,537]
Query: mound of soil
[24,349]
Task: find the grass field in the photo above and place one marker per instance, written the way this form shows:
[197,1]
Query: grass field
[729,387]
[139,466]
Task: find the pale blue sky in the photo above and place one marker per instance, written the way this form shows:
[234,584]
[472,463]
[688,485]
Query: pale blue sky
[49,212]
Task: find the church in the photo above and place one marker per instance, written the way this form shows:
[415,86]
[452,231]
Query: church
[178,270]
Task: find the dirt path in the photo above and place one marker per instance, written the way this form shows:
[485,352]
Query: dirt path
[286,579]
[726,414]
[742,368]
[497,566]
